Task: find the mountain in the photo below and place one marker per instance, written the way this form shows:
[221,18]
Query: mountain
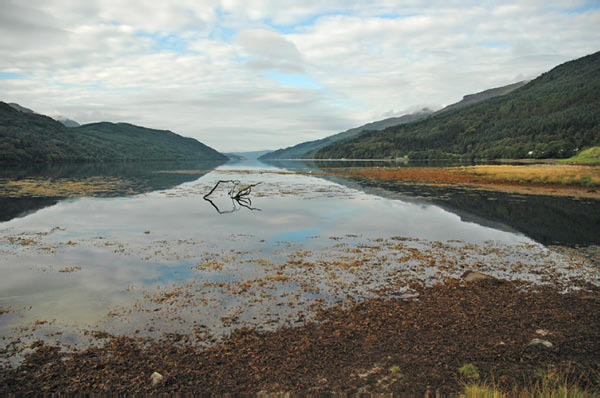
[552,116]
[20,108]
[471,99]
[234,156]
[63,120]
[29,137]
[66,122]
[306,150]
[252,155]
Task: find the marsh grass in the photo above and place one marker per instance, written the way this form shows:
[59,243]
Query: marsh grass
[537,174]
[547,383]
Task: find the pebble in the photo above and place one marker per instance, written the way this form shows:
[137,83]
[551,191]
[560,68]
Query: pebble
[156,378]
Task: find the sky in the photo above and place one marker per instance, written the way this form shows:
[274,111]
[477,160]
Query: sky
[245,75]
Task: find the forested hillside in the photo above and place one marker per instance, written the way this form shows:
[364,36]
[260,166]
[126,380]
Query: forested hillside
[30,137]
[553,116]
[306,150]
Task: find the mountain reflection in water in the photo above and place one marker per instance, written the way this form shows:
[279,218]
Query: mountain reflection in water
[135,178]
[550,220]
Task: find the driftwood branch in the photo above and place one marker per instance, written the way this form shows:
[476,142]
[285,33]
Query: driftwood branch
[216,185]
[238,193]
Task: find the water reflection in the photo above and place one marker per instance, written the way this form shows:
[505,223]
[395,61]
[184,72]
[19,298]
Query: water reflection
[236,203]
[546,219]
[165,261]
[26,189]
[19,207]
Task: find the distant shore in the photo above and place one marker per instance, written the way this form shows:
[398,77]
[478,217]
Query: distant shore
[546,179]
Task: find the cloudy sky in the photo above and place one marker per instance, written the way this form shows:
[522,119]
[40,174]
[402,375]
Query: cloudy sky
[243,75]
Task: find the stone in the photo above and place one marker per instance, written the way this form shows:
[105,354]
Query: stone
[473,276]
[156,378]
[542,332]
[537,341]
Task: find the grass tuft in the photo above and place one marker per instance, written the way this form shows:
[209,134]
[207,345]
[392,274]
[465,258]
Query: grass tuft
[547,383]
[469,371]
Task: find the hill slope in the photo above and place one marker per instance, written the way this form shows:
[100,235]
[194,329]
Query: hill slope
[552,116]
[20,108]
[306,150]
[29,137]
[471,99]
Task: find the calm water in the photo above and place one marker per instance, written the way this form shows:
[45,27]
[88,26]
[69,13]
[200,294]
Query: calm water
[151,256]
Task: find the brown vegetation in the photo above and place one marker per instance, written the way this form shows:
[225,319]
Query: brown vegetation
[378,345]
[563,180]
[63,187]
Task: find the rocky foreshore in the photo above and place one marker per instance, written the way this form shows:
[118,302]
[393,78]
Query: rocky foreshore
[508,330]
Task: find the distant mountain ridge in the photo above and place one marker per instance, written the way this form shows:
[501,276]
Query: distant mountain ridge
[30,137]
[20,108]
[471,99]
[552,116]
[62,119]
[306,150]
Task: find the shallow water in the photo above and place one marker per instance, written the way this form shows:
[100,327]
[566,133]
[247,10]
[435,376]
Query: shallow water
[155,257]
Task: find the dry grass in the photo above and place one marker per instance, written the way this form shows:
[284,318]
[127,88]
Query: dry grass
[562,391]
[536,174]
[548,179]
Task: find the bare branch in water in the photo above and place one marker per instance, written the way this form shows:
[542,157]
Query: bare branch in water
[238,194]
[217,184]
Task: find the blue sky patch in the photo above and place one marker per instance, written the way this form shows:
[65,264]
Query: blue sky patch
[293,79]
[10,75]
[310,21]
[304,23]
[220,31]
[166,42]
[588,6]
[396,16]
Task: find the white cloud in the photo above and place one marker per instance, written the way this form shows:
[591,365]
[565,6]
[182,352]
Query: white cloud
[199,68]
[270,50]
